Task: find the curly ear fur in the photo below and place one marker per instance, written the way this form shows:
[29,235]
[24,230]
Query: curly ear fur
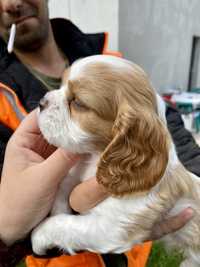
[137,156]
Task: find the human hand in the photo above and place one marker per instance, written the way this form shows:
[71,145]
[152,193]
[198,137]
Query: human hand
[31,175]
[171,224]
[87,195]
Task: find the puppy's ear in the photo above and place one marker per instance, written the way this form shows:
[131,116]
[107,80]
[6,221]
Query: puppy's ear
[137,156]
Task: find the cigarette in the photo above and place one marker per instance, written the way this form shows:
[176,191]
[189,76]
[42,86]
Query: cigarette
[11,38]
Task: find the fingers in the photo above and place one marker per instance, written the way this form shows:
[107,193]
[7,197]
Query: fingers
[58,164]
[29,124]
[172,224]
[87,195]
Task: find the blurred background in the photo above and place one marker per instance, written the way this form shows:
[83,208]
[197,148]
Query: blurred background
[160,35]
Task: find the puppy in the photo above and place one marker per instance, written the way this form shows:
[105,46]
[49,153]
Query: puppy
[107,109]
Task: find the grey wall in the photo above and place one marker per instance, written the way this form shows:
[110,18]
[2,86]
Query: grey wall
[157,35]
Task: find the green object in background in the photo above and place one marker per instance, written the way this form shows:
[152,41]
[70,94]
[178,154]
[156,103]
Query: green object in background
[22,264]
[188,109]
[195,90]
[197,121]
[160,258]
[184,108]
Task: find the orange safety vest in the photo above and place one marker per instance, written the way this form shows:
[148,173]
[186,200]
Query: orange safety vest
[11,110]
[11,113]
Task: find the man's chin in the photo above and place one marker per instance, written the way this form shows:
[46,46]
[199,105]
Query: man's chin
[29,42]
[30,35]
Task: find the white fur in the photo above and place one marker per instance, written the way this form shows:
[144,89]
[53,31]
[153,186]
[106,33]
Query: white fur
[104,228]
[58,128]
[113,61]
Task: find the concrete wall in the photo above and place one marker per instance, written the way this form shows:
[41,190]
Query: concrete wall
[157,34]
[90,15]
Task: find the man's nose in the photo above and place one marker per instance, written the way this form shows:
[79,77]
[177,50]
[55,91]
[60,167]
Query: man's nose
[44,102]
[11,6]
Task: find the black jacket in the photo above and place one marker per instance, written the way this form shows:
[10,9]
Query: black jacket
[187,149]
[74,43]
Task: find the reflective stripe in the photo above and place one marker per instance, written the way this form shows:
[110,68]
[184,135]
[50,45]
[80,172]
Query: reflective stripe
[11,100]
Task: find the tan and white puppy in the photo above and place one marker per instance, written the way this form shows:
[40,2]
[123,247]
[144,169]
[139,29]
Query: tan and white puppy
[108,110]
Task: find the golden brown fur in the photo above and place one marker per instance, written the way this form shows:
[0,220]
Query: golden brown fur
[121,110]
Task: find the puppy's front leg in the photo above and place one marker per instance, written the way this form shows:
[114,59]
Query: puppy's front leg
[83,232]
[67,232]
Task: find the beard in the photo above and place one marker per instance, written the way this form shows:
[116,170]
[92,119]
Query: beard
[31,37]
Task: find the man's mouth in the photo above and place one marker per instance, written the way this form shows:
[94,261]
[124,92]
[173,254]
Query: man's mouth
[22,19]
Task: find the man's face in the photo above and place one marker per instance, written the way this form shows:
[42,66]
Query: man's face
[31,19]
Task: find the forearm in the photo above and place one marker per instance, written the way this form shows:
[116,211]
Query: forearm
[10,230]
[11,255]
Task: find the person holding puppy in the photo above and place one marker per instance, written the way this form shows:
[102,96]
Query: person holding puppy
[32,169]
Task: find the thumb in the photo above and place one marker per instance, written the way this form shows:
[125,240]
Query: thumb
[87,195]
[58,164]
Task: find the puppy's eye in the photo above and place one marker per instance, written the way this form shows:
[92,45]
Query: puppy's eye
[77,104]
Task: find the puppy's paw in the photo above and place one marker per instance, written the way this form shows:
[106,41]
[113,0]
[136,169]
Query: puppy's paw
[41,238]
[56,231]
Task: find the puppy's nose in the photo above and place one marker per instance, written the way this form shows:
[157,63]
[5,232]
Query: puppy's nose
[43,103]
